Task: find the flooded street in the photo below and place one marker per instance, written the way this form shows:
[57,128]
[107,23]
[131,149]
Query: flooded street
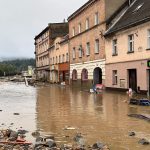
[50,109]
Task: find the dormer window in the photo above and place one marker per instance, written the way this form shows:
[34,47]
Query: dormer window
[130,2]
[137,8]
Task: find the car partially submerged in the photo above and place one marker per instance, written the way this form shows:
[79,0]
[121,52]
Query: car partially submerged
[141,102]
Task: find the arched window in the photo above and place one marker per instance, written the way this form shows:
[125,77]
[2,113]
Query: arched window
[74,74]
[84,75]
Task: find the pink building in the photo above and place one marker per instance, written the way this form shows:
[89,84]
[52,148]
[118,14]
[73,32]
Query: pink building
[127,47]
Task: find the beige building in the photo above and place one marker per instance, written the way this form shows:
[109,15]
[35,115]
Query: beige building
[128,49]
[59,60]
[87,26]
[43,42]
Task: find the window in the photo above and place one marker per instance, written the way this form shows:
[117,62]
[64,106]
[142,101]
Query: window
[79,27]
[96,18]
[148,39]
[115,78]
[96,46]
[63,58]
[59,58]
[80,51]
[131,43]
[114,50]
[67,57]
[88,49]
[73,31]
[87,23]
[57,45]
[131,1]
[137,8]
[51,61]
[56,60]
[74,53]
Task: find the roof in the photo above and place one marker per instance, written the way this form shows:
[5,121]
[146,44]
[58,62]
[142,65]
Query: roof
[43,31]
[137,13]
[56,28]
[81,9]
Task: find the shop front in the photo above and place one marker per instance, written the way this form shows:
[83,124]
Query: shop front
[64,73]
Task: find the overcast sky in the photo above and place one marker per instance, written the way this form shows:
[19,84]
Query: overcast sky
[21,20]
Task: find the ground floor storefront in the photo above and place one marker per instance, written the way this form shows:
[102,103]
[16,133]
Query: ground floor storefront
[64,73]
[59,73]
[125,75]
[54,74]
[42,73]
[87,74]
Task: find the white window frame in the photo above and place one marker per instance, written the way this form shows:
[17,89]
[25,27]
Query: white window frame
[53,60]
[87,24]
[67,57]
[73,31]
[87,48]
[114,77]
[80,51]
[96,18]
[79,27]
[74,53]
[131,43]
[59,58]
[63,58]
[56,60]
[148,39]
[97,46]
[114,47]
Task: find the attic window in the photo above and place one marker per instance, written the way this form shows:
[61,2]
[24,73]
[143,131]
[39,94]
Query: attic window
[137,8]
[131,1]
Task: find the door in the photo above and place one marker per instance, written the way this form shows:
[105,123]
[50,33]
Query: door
[97,76]
[132,79]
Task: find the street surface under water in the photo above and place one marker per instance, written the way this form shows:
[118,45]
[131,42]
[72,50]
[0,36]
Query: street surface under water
[49,109]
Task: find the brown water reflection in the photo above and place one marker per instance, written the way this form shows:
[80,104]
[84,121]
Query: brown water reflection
[98,117]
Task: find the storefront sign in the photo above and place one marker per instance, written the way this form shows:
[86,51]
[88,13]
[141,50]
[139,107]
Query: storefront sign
[148,63]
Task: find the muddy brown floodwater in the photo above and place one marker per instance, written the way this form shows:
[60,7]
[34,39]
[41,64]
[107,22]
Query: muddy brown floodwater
[50,109]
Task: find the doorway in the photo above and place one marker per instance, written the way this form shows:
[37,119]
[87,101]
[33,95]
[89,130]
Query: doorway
[132,79]
[97,76]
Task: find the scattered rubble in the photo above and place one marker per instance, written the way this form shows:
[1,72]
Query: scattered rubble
[144,142]
[132,133]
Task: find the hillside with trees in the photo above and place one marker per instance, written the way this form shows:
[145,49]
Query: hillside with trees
[16,66]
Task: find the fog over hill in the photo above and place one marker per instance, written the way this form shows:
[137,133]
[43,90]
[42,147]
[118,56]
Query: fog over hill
[13,58]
